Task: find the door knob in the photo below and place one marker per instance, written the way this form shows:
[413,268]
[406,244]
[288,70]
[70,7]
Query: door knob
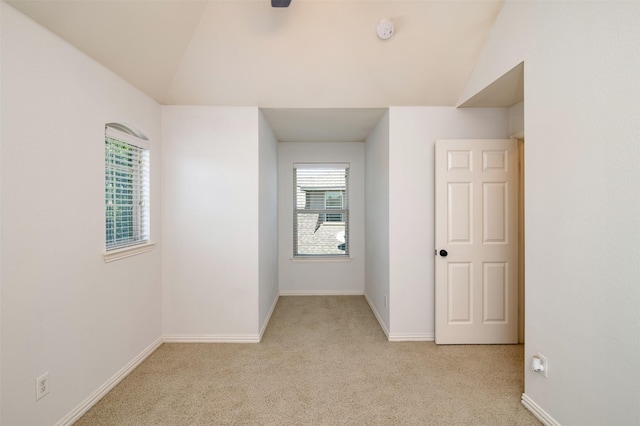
[443,253]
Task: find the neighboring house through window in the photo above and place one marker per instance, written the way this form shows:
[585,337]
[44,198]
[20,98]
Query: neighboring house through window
[321,215]
[126,187]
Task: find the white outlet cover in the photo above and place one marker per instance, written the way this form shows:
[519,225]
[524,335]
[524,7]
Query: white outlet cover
[42,386]
[545,365]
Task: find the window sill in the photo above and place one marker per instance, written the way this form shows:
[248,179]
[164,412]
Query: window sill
[314,259]
[118,254]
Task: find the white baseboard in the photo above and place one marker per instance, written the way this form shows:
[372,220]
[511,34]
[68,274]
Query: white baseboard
[266,321]
[75,414]
[320,293]
[378,317]
[208,338]
[413,337]
[537,411]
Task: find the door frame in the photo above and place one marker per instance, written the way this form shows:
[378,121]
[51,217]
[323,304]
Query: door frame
[521,236]
[518,138]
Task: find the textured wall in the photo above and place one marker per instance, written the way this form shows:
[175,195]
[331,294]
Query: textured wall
[316,276]
[64,310]
[581,107]
[413,132]
[210,259]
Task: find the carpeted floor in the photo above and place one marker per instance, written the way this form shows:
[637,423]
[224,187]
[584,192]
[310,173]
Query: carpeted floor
[323,360]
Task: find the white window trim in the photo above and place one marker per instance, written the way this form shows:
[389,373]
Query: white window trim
[122,253]
[336,258]
[341,258]
[138,139]
[125,137]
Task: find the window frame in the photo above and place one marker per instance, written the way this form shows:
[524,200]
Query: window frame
[322,212]
[117,134]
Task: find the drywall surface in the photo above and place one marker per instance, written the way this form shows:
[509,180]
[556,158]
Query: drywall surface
[1,224]
[377,220]
[516,119]
[319,276]
[582,102]
[289,58]
[210,223]
[268,221]
[64,310]
[412,135]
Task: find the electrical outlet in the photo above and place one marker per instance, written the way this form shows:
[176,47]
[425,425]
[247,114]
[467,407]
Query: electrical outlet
[385,300]
[540,365]
[42,385]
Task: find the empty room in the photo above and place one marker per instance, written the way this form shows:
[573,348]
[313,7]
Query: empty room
[319,212]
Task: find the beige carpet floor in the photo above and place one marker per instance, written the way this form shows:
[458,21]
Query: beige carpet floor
[323,360]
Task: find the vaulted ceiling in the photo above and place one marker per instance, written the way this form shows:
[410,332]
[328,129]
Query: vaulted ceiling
[315,54]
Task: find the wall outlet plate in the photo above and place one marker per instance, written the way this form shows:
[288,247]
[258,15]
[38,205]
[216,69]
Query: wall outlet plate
[543,361]
[42,386]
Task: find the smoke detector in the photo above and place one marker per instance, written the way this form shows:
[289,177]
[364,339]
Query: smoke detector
[385,29]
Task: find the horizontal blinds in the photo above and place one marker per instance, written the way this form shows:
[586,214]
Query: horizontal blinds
[126,193]
[321,212]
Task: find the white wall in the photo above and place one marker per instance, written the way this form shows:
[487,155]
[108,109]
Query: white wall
[582,103]
[321,276]
[412,136]
[268,222]
[516,119]
[210,225]
[1,224]
[377,221]
[64,311]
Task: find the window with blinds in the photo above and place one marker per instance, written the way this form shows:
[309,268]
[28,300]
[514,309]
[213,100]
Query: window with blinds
[126,189]
[321,210]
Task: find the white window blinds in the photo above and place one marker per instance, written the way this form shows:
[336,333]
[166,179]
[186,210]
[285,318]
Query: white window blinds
[126,189]
[321,211]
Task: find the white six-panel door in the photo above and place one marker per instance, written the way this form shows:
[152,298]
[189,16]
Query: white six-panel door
[476,225]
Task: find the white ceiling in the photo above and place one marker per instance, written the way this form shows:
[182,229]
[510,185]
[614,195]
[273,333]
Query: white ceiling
[316,54]
[322,124]
[506,91]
